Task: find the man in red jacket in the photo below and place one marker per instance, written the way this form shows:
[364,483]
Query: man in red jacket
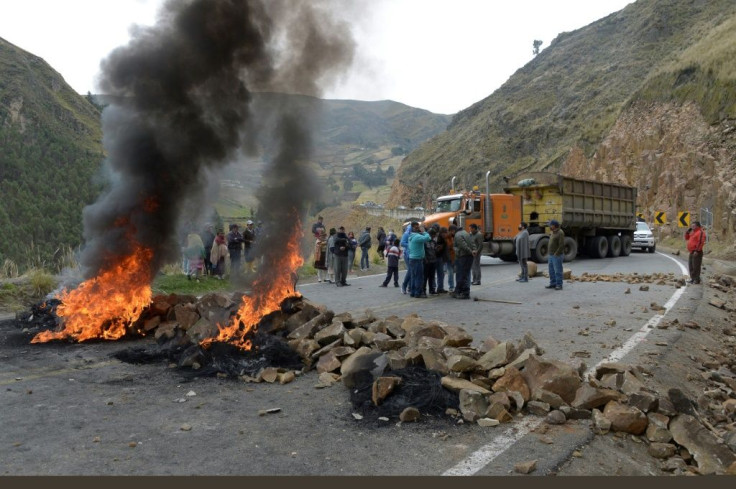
[695,238]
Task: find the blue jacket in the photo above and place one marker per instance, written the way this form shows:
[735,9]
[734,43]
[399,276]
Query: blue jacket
[416,245]
[405,238]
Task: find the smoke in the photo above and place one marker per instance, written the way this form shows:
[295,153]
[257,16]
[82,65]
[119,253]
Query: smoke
[180,95]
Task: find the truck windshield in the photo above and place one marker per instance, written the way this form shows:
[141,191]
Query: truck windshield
[452,205]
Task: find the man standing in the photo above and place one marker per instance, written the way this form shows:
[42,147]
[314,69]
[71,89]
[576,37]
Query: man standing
[556,253]
[318,226]
[478,242]
[208,239]
[365,244]
[406,284]
[695,237]
[522,251]
[451,257]
[249,237]
[417,238]
[464,254]
[381,239]
[443,257]
[342,245]
[235,248]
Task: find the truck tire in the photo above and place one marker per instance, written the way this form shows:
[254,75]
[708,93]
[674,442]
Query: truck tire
[614,246]
[571,249]
[540,254]
[626,245]
[598,247]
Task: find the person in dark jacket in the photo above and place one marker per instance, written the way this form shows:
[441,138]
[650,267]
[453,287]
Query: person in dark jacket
[430,264]
[464,253]
[392,255]
[364,241]
[381,240]
[341,248]
[521,241]
[208,239]
[477,238]
[443,256]
[556,249]
[235,248]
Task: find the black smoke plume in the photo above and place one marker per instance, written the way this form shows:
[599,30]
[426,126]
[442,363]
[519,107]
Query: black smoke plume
[180,96]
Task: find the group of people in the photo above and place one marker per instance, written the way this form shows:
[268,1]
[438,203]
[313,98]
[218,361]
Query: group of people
[334,252]
[207,255]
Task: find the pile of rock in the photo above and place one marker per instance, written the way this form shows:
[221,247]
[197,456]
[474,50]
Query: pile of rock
[632,278]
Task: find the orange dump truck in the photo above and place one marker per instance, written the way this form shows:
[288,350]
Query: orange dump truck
[598,218]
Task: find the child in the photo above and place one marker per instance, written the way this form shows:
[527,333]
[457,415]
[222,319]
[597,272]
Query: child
[393,254]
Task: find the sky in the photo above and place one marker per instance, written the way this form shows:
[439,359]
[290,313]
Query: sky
[439,55]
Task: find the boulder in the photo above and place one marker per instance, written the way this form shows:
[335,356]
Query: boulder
[433,360]
[625,418]
[548,397]
[365,360]
[553,376]
[521,359]
[601,424]
[500,355]
[512,381]
[396,360]
[555,417]
[457,337]
[328,363]
[538,408]
[711,456]
[333,332]
[657,428]
[186,315]
[383,387]
[201,330]
[455,384]
[644,401]
[308,329]
[661,450]
[409,415]
[460,363]
[588,397]
[473,404]
[488,344]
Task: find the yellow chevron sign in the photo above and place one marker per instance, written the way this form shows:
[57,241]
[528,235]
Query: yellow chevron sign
[660,217]
[683,219]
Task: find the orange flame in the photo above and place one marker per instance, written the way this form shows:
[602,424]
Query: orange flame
[102,307]
[269,291]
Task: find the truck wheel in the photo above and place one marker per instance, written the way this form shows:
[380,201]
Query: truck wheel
[625,245]
[598,247]
[540,254]
[614,246]
[570,250]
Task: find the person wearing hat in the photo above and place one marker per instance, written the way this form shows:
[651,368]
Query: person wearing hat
[556,249]
[695,237]
[235,248]
[521,241]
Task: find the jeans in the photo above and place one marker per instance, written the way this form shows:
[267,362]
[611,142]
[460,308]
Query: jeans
[416,265]
[351,260]
[694,263]
[364,262]
[476,268]
[430,274]
[392,271]
[440,274]
[463,264]
[450,273]
[524,268]
[406,284]
[341,269]
[555,270]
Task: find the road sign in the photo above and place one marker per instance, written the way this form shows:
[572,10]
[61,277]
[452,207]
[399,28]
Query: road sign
[683,219]
[660,217]
[640,215]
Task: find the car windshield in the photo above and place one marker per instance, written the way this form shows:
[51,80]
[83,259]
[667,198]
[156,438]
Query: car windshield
[642,226]
[452,205]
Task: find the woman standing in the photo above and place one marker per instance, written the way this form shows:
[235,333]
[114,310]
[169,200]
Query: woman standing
[195,256]
[330,257]
[218,254]
[351,251]
[320,255]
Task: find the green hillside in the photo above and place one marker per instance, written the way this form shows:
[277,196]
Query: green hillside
[572,93]
[50,148]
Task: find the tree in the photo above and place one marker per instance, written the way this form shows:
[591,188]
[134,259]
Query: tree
[537,43]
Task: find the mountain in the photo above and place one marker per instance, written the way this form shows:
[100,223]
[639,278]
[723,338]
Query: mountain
[645,96]
[50,148]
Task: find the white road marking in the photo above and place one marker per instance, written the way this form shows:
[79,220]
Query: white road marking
[487,453]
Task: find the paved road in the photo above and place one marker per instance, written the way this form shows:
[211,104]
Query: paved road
[72,409]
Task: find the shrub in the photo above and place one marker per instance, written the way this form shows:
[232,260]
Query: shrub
[41,282]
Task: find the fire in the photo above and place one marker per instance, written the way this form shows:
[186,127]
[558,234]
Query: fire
[274,284]
[102,307]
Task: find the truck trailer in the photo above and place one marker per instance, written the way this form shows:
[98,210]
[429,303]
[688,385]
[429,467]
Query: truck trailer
[599,219]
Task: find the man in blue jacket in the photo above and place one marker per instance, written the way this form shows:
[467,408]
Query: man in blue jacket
[406,284]
[417,238]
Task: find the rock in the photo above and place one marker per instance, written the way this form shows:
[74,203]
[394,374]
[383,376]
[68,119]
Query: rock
[473,404]
[201,330]
[556,377]
[460,363]
[481,380]
[327,378]
[730,440]
[555,417]
[385,342]
[269,374]
[286,377]
[433,360]
[711,456]
[383,387]
[681,402]
[456,337]
[644,401]
[496,373]
[396,360]
[488,344]
[334,331]
[151,323]
[455,384]
[328,363]
[601,424]
[308,329]
[630,384]
[526,467]
[538,408]
[717,303]
[548,397]
[409,415]
[512,381]
[166,331]
[657,428]
[521,359]
[518,400]
[610,368]
[574,413]
[588,397]
[566,274]
[644,288]
[488,422]
[528,342]
[661,450]
[673,464]
[363,360]
[666,407]
[500,355]
[497,411]
[532,269]
[500,397]
[731,470]
[186,315]
[625,418]
[305,348]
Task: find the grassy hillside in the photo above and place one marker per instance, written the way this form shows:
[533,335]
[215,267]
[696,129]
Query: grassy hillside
[570,95]
[50,148]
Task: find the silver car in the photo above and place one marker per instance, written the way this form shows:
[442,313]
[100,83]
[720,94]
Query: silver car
[644,238]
